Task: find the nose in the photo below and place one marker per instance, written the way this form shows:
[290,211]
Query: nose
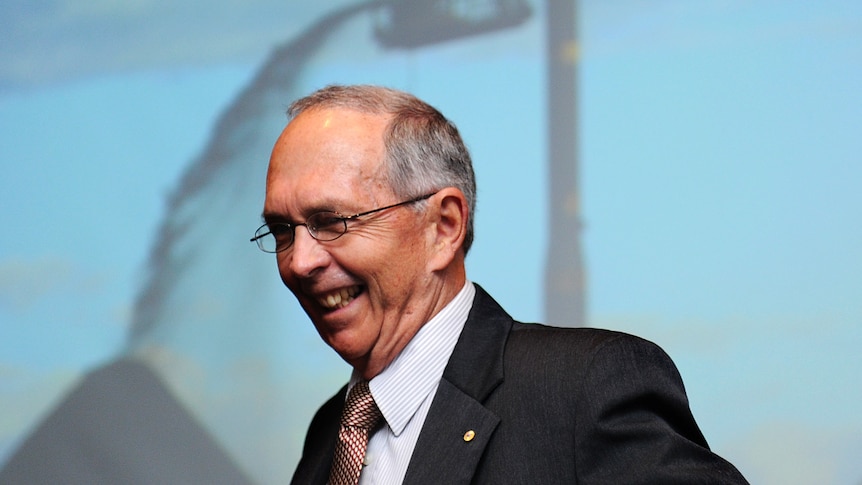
[306,255]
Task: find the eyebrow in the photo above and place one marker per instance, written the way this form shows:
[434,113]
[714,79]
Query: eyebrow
[325,206]
[268,217]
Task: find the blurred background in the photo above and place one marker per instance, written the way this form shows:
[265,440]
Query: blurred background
[685,171]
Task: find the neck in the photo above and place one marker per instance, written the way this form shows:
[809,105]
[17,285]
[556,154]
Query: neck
[381,356]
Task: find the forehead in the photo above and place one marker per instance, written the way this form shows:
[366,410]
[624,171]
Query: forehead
[324,156]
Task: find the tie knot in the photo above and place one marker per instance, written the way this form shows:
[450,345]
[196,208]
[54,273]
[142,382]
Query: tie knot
[360,410]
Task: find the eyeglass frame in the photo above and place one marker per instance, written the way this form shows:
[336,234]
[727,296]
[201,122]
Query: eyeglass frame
[258,238]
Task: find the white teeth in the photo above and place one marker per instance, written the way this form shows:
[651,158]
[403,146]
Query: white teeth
[339,298]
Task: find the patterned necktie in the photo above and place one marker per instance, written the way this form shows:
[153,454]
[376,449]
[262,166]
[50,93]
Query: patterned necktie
[359,417]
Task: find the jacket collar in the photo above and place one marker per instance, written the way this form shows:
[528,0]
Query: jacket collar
[476,364]
[458,426]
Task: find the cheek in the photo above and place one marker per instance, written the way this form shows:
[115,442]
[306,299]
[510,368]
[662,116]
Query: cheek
[405,268]
[282,265]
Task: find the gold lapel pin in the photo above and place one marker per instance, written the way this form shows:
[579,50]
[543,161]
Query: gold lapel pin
[469,435]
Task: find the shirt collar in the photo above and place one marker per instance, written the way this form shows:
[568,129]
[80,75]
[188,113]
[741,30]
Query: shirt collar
[413,376]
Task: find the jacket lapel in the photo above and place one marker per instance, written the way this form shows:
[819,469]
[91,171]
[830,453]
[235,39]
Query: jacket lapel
[458,426]
[453,439]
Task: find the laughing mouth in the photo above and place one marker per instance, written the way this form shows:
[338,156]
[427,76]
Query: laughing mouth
[339,298]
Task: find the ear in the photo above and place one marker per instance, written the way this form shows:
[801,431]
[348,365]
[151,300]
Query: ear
[450,212]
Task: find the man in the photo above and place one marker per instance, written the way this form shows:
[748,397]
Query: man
[383,189]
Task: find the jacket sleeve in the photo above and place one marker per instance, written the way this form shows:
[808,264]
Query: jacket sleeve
[319,447]
[634,424]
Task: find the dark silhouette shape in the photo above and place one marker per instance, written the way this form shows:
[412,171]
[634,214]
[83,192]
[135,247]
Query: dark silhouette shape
[417,23]
[121,425]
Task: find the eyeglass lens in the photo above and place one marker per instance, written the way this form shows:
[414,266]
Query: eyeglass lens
[278,236]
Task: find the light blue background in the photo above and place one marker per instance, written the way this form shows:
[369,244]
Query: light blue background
[719,164]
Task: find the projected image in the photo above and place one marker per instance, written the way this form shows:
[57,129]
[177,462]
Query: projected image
[681,172]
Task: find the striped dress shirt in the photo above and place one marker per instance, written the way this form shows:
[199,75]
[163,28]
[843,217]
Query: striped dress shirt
[405,389]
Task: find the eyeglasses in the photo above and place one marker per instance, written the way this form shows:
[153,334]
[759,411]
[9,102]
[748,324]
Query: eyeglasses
[275,237]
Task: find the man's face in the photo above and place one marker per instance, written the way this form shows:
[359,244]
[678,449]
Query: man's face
[366,292]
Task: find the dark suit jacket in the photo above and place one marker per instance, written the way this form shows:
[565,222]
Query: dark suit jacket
[547,406]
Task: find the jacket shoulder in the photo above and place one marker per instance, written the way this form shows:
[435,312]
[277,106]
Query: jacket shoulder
[574,345]
[319,444]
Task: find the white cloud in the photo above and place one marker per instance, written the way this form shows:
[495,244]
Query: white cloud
[47,42]
[24,283]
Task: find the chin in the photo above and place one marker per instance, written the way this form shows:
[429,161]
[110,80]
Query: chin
[347,346]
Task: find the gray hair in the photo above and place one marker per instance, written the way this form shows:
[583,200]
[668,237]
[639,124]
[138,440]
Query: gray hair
[424,151]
